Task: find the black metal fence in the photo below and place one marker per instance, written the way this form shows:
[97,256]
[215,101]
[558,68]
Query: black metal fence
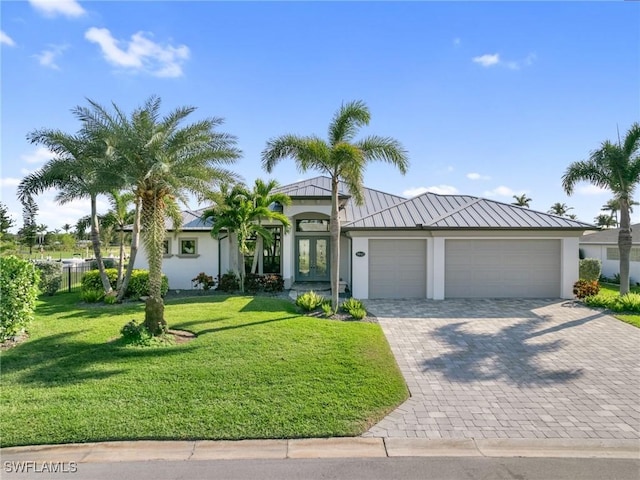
[72,276]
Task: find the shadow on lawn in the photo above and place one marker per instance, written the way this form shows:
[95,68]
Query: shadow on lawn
[189,325]
[506,355]
[61,359]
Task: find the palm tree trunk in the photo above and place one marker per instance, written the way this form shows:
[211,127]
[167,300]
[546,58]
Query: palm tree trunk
[624,245]
[120,260]
[334,227]
[95,241]
[154,231]
[135,241]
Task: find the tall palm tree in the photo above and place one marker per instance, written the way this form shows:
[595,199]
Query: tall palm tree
[521,200]
[560,209]
[342,158]
[162,162]
[263,197]
[606,221]
[80,169]
[612,206]
[615,167]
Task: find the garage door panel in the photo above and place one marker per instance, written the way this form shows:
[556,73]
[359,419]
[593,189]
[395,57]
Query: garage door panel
[397,268]
[502,268]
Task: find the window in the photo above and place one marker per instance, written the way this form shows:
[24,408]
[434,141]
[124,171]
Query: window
[166,248]
[312,225]
[614,254]
[188,246]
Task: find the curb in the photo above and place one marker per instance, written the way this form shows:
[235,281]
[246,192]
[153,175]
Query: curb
[343,447]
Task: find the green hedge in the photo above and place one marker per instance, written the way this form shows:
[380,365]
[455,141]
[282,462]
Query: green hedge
[138,284]
[18,294]
[589,269]
[50,276]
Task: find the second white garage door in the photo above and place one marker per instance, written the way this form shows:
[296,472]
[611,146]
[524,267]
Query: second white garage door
[397,268]
[502,268]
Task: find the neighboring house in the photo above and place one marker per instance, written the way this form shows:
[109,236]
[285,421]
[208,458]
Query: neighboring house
[430,246]
[603,245]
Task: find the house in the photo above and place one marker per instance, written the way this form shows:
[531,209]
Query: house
[603,245]
[430,246]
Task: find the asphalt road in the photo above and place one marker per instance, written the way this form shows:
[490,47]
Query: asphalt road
[401,468]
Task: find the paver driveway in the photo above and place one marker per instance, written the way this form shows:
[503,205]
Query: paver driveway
[511,369]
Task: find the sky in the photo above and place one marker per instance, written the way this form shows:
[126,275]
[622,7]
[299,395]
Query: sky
[491,99]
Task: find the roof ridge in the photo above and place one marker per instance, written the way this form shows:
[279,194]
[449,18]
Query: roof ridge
[473,200]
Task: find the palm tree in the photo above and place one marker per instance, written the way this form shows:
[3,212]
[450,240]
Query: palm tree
[342,158]
[66,227]
[560,209]
[612,206]
[606,221]
[263,197]
[120,216]
[615,167]
[162,162]
[80,169]
[521,200]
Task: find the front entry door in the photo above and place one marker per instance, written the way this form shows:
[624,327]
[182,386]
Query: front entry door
[312,260]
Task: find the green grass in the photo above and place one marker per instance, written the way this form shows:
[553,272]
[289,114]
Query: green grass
[610,289]
[257,369]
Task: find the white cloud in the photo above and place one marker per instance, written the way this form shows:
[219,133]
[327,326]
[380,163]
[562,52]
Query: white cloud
[40,155]
[487,60]
[592,190]
[477,176]
[47,58]
[53,8]
[502,191]
[490,60]
[140,54]
[6,39]
[439,189]
[9,182]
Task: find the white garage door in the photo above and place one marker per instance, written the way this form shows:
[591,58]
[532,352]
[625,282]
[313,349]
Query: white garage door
[397,268]
[502,268]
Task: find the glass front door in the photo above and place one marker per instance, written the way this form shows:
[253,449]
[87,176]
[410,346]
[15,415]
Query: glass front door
[312,261]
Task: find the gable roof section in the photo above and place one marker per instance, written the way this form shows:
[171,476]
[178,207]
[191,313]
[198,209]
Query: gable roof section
[610,236]
[191,221]
[320,187]
[434,211]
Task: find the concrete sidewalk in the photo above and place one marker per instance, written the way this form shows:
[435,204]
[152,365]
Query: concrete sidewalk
[352,447]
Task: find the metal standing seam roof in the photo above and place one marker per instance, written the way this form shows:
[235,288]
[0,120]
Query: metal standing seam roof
[431,210]
[191,221]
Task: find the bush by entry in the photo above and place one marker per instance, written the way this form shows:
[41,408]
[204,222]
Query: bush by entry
[257,369]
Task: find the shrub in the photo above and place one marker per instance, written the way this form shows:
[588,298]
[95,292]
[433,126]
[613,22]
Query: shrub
[350,304]
[629,303]
[50,276]
[91,296]
[327,310]
[309,301]
[252,283]
[111,298]
[18,294]
[272,283]
[137,334]
[601,301]
[229,282]
[204,281]
[138,284]
[358,313]
[590,269]
[108,262]
[586,288]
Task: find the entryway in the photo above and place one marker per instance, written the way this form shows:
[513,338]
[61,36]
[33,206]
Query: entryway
[312,259]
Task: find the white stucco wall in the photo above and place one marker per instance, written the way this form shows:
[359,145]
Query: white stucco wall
[180,269]
[609,267]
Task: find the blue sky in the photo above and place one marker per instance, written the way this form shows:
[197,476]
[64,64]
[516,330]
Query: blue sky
[490,99]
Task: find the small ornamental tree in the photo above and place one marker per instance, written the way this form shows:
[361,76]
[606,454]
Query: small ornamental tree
[18,293]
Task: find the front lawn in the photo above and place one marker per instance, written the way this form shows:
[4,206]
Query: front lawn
[257,369]
[613,290]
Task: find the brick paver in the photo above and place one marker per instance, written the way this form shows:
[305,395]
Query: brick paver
[511,369]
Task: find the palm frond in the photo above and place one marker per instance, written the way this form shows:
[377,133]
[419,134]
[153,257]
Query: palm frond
[347,120]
